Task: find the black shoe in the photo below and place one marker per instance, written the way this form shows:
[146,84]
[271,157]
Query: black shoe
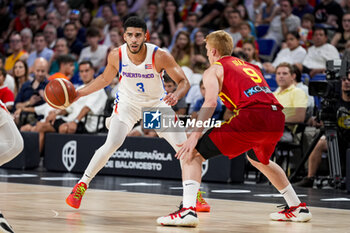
[307,182]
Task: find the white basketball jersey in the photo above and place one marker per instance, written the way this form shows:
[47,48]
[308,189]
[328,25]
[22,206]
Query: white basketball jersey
[139,83]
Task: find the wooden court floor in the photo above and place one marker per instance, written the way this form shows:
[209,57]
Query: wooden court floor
[41,208]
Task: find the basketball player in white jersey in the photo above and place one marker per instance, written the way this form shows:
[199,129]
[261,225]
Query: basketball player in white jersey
[139,65]
[11,144]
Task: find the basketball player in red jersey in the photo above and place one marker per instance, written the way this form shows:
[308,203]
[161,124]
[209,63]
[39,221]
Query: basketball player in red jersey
[255,128]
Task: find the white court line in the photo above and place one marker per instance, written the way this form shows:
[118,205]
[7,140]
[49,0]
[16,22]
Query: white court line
[56,213]
[59,178]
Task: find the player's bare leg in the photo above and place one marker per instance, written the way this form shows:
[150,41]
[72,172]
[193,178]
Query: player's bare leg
[295,211]
[191,176]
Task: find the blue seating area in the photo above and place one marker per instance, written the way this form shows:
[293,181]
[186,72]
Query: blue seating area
[261,30]
[267,49]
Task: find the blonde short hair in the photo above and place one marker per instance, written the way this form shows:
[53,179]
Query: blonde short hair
[222,41]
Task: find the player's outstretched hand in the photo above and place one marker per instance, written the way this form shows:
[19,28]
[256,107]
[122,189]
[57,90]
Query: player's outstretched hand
[186,151]
[171,99]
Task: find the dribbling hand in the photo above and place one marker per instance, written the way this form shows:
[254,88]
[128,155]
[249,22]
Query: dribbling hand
[171,99]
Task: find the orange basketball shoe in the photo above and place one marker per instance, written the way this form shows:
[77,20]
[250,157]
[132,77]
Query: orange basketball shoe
[76,195]
[201,204]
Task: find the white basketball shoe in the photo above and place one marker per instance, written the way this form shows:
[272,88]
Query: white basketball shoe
[298,213]
[4,225]
[182,217]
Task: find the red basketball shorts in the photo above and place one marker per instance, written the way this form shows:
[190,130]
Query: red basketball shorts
[257,127]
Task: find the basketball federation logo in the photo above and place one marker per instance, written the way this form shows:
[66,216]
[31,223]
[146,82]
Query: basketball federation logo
[152,119]
[69,154]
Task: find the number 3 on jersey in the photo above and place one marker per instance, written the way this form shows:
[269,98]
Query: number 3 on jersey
[140,87]
[253,75]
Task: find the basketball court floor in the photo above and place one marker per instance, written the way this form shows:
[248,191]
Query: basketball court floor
[34,201]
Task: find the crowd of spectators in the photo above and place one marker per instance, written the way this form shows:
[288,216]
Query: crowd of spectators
[41,40]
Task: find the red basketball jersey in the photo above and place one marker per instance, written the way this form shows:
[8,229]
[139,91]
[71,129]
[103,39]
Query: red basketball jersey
[243,85]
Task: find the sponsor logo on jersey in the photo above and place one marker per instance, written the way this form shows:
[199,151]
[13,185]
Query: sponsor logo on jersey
[152,119]
[256,89]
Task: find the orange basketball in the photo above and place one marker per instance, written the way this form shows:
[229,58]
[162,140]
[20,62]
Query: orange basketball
[59,93]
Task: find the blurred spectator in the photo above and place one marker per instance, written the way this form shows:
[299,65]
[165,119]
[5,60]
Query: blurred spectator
[41,50]
[293,54]
[234,20]
[17,51]
[94,52]
[199,103]
[27,38]
[170,86]
[245,32]
[171,21]
[63,10]
[66,67]
[74,44]
[255,9]
[116,22]
[283,22]
[151,17]
[318,54]
[190,26]
[189,6]
[54,5]
[328,12]
[112,5]
[158,40]
[100,24]
[116,38]
[9,80]
[122,9]
[21,20]
[182,49]
[74,17]
[85,18]
[244,16]
[306,30]
[293,99]
[54,19]
[6,95]
[343,132]
[5,18]
[250,51]
[345,4]
[340,38]
[223,18]
[34,23]
[32,92]
[107,14]
[209,13]
[74,121]
[92,6]
[20,75]
[267,13]
[299,84]
[199,57]
[302,7]
[40,9]
[50,34]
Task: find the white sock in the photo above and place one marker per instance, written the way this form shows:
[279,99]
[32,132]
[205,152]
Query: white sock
[290,196]
[190,189]
[86,179]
